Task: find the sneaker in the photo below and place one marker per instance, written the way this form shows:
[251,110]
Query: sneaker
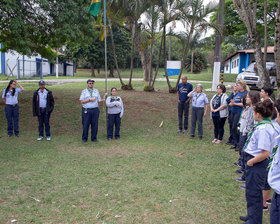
[239,179]
[236,164]
[192,136]
[179,131]
[243,186]
[184,131]
[214,140]
[239,171]
[265,208]
[17,135]
[9,136]
[40,138]
[117,138]
[268,201]
[48,138]
[243,218]
[109,139]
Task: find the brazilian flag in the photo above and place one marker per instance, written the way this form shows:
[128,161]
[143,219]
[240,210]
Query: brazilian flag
[95,7]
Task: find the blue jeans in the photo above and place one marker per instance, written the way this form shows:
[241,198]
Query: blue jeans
[113,120]
[12,115]
[255,180]
[197,117]
[275,209]
[44,119]
[90,116]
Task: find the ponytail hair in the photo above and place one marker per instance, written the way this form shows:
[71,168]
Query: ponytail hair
[265,108]
[8,88]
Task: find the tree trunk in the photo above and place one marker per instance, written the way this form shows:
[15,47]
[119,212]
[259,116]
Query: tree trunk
[151,53]
[277,47]
[98,71]
[170,48]
[132,52]
[192,61]
[115,54]
[111,72]
[266,74]
[92,69]
[164,58]
[185,52]
[159,57]
[248,14]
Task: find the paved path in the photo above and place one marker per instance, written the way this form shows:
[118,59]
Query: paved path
[62,81]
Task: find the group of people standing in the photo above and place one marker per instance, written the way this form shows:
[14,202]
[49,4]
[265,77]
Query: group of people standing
[254,121]
[43,106]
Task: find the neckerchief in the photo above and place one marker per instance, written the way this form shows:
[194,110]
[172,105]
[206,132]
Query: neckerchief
[90,92]
[264,121]
[197,96]
[216,100]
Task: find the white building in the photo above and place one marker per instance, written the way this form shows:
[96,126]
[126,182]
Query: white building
[14,64]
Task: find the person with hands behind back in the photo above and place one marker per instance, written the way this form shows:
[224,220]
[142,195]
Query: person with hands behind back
[115,113]
[258,146]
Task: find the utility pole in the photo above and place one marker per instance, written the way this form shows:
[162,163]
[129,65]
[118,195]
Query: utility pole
[218,46]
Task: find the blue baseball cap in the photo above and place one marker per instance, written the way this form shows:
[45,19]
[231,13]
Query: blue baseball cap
[42,82]
[90,80]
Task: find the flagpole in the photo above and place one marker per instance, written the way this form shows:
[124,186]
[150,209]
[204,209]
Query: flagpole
[105,35]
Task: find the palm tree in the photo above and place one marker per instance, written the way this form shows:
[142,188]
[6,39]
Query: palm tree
[194,14]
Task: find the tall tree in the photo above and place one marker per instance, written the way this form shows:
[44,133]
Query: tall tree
[247,12]
[277,47]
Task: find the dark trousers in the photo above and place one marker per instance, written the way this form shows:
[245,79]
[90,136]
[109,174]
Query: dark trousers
[241,160]
[197,117]
[235,132]
[275,209]
[219,124]
[183,108]
[230,139]
[12,115]
[255,180]
[90,116]
[44,120]
[113,120]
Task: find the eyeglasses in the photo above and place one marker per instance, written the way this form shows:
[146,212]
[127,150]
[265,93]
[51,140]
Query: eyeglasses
[91,83]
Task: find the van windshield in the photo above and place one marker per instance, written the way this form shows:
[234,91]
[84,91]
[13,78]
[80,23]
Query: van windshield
[269,65]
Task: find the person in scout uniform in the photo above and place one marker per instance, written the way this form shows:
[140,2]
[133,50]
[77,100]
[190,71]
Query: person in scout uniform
[183,90]
[115,113]
[43,105]
[90,98]
[236,109]
[219,113]
[199,109]
[10,98]
[274,171]
[257,148]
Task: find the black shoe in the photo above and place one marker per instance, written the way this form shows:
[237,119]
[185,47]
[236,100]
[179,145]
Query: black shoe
[239,171]
[244,218]
[240,179]
[236,164]
[233,147]
[229,143]
[268,201]
[200,137]
[192,136]
[94,140]
[84,140]
[265,208]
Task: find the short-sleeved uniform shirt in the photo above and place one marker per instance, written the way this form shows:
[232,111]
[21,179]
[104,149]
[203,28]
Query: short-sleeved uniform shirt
[274,171]
[238,99]
[263,138]
[10,99]
[199,99]
[184,90]
[87,94]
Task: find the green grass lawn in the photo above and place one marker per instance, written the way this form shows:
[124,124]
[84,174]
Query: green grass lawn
[205,75]
[151,175]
